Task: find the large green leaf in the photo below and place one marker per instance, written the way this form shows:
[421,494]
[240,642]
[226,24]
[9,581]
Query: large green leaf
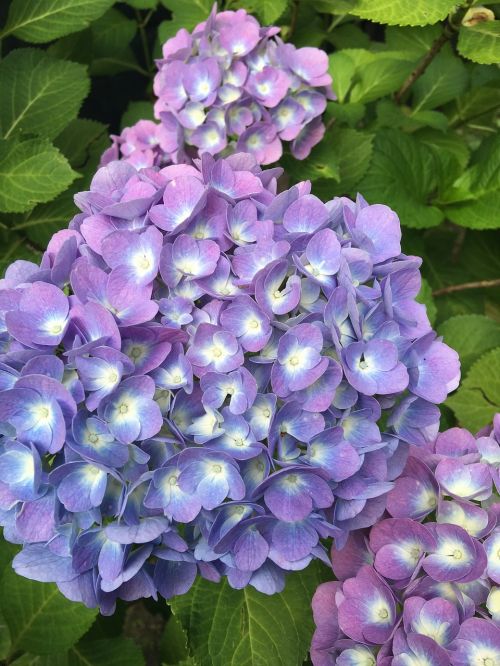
[354,150]
[227,627]
[31,172]
[474,103]
[425,296]
[13,247]
[28,659]
[342,68]
[174,643]
[478,399]
[479,189]
[106,652]
[268,11]
[185,15]
[383,74]
[78,139]
[415,41]
[402,175]
[41,21]
[44,220]
[321,163]
[403,12]
[39,618]
[445,79]
[111,37]
[4,639]
[470,335]
[481,42]
[136,111]
[40,95]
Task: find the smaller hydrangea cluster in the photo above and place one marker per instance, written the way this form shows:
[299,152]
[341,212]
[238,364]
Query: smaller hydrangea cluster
[231,85]
[192,381]
[423,585]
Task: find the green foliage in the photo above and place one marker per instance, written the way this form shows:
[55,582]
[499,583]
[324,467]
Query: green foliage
[39,618]
[41,95]
[403,12]
[481,42]
[470,335]
[184,15]
[31,172]
[40,21]
[422,139]
[478,399]
[227,627]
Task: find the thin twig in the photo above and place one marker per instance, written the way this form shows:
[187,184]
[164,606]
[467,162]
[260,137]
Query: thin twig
[141,24]
[480,284]
[458,244]
[451,27]
[293,19]
[437,45]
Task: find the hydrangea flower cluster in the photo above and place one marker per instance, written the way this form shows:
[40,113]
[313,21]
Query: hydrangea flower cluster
[231,85]
[192,381]
[423,585]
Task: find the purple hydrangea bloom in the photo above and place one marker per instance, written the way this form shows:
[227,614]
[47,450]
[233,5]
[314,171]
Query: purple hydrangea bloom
[193,381]
[230,85]
[421,585]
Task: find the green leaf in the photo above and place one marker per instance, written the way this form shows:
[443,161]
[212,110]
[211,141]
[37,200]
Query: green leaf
[403,12]
[349,36]
[268,11]
[7,549]
[13,247]
[321,163]
[174,647]
[348,114]
[39,618]
[413,41]
[383,75]
[481,186]
[478,399]
[41,95]
[4,639]
[137,111]
[111,37]
[185,15]
[425,296]
[470,335]
[227,627]
[42,660]
[76,47]
[333,6]
[44,220]
[40,21]
[354,150]
[445,79]
[78,137]
[342,68]
[390,114]
[31,172]
[481,42]
[142,4]
[106,652]
[474,103]
[402,175]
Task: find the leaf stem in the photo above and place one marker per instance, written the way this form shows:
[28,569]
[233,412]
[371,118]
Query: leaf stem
[451,27]
[293,19]
[480,284]
[141,24]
